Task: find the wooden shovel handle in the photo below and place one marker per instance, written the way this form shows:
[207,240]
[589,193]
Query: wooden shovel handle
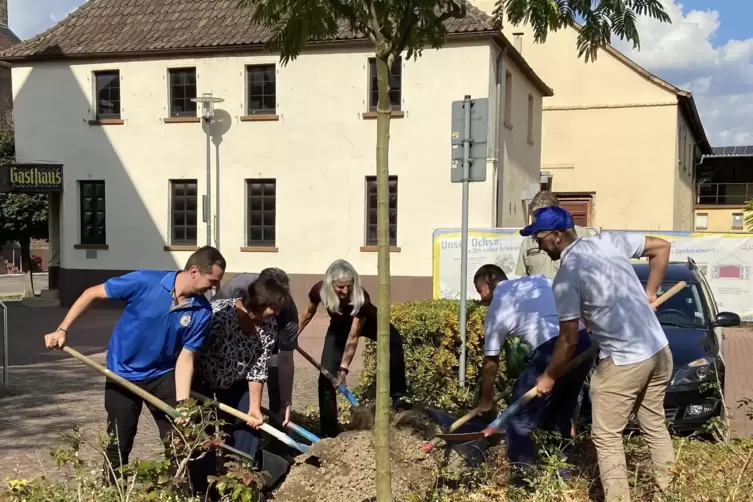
[280,436]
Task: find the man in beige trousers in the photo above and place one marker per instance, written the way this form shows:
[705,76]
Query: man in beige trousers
[596,280]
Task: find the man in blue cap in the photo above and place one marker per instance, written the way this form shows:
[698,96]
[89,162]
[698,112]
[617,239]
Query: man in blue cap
[596,280]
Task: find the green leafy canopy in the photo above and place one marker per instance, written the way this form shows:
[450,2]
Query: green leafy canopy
[600,19]
[393,26]
[397,26]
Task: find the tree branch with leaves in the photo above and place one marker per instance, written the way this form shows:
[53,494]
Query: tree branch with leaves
[600,19]
[23,217]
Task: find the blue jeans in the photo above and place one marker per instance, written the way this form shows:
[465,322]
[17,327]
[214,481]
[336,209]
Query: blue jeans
[241,436]
[552,412]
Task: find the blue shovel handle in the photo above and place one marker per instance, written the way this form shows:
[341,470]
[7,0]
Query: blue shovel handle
[348,395]
[294,427]
[303,432]
[509,411]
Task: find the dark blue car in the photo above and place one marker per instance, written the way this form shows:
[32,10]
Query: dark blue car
[693,326]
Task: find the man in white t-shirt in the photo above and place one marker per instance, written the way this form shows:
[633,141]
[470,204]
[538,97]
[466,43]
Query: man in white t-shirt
[597,280]
[525,308]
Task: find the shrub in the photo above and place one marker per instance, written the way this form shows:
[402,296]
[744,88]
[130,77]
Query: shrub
[431,340]
[142,480]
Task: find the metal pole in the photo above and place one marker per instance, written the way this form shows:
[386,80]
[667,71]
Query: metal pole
[464,235]
[217,197]
[208,207]
[5,345]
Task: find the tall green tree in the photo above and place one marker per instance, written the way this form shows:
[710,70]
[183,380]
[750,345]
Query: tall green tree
[600,19]
[23,217]
[408,26]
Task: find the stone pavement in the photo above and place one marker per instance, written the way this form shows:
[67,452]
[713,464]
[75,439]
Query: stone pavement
[56,392]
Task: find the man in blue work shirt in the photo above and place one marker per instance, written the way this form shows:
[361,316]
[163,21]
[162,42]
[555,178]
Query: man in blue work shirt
[164,323]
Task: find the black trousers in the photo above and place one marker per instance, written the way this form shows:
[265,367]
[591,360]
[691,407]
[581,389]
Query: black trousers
[239,434]
[123,411]
[332,355]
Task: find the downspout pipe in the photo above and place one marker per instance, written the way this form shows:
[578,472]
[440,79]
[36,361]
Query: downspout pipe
[498,162]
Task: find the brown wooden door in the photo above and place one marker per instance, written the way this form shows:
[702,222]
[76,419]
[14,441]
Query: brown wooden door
[579,209]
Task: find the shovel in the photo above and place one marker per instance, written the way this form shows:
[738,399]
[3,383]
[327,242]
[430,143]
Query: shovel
[309,436]
[280,436]
[576,361]
[157,403]
[342,388]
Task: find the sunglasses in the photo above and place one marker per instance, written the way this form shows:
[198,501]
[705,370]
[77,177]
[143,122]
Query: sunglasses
[539,238]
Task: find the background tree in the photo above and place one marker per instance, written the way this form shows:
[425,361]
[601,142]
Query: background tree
[398,26]
[22,216]
[600,19]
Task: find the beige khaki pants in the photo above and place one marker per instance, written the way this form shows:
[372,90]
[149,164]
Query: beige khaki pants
[618,391]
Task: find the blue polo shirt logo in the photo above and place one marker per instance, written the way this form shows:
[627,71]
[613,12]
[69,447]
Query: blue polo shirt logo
[154,328]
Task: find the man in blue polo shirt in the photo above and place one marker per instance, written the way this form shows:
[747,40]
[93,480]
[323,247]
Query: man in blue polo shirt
[163,324]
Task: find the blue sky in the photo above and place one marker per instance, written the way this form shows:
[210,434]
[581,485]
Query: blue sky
[708,49]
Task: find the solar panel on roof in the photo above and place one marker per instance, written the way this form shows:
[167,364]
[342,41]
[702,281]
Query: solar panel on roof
[717,150]
[749,150]
[739,150]
[729,150]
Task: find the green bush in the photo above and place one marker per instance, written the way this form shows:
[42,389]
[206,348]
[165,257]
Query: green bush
[431,340]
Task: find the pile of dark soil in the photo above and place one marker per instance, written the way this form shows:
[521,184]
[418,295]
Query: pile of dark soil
[343,469]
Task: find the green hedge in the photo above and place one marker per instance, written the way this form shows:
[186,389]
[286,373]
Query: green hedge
[431,340]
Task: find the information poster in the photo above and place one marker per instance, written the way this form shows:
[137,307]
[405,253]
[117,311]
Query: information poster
[725,259]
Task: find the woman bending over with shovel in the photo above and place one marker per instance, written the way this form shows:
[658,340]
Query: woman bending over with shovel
[351,315]
[232,368]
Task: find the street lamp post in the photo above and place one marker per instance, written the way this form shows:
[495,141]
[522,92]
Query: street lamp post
[208,101]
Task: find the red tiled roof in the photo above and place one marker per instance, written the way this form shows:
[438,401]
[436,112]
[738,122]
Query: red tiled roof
[111,27]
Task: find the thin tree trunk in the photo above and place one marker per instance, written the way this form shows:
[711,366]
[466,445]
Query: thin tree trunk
[382,422]
[27,266]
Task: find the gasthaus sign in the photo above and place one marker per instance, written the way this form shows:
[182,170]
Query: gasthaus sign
[31,178]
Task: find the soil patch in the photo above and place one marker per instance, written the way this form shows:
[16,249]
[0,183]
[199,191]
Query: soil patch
[343,469]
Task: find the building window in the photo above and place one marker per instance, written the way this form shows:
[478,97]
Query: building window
[93,221]
[183,212]
[530,119]
[701,221]
[262,212]
[371,211]
[396,85]
[508,99]
[738,221]
[182,91]
[108,94]
[262,89]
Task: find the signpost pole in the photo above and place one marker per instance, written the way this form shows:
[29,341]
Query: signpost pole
[464,235]
[469,134]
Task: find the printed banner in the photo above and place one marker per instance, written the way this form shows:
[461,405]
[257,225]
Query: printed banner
[725,259]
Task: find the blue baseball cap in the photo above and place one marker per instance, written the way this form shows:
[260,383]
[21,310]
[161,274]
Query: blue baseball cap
[549,219]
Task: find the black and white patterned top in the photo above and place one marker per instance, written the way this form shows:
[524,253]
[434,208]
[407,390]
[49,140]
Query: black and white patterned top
[230,354]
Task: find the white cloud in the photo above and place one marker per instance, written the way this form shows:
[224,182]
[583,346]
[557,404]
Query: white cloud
[720,75]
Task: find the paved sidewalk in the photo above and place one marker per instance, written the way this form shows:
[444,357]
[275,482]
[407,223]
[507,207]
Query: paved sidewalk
[56,392]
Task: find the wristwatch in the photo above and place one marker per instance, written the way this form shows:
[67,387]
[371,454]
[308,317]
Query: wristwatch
[344,370]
